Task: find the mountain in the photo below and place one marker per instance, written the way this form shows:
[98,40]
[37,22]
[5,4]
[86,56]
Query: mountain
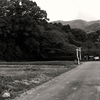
[92,27]
[87,26]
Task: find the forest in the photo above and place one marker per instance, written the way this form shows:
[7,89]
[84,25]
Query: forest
[27,35]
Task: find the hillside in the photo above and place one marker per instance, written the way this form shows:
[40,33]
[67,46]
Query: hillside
[93,27]
[81,24]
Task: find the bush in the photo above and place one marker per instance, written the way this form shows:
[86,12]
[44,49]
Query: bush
[57,57]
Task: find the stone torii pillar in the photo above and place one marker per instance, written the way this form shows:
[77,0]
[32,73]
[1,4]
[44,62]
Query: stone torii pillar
[78,55]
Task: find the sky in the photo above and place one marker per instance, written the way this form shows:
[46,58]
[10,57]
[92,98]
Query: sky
[68,10]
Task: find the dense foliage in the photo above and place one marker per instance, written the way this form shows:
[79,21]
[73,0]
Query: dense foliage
[26,34]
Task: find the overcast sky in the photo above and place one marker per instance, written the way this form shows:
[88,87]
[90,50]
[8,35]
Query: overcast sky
[71,9]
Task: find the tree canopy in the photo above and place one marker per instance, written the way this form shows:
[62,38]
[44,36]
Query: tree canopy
[26,34]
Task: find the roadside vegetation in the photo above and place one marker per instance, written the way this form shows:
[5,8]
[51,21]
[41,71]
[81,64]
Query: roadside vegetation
[19,78]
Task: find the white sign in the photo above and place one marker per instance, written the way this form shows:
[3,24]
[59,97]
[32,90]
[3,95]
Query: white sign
[96,58]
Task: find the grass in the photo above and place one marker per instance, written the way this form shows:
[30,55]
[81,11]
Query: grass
[17,77]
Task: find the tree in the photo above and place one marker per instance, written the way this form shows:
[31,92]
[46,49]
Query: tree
[79,34]
[66,28]
[94,36]
[20,27]
[25,33]
[10,8]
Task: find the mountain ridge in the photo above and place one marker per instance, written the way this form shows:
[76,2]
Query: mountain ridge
[87,26]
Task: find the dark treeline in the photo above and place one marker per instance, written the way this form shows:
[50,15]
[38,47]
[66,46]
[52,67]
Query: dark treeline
[26,34]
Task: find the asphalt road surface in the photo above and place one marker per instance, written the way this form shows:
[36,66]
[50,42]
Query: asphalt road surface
[81,83]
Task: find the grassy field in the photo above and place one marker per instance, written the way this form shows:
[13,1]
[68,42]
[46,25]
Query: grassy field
[18,77]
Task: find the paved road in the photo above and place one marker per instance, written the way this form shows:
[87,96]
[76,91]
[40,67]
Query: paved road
[81,83]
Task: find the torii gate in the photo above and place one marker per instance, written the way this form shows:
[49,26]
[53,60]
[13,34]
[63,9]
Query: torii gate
[78,54]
